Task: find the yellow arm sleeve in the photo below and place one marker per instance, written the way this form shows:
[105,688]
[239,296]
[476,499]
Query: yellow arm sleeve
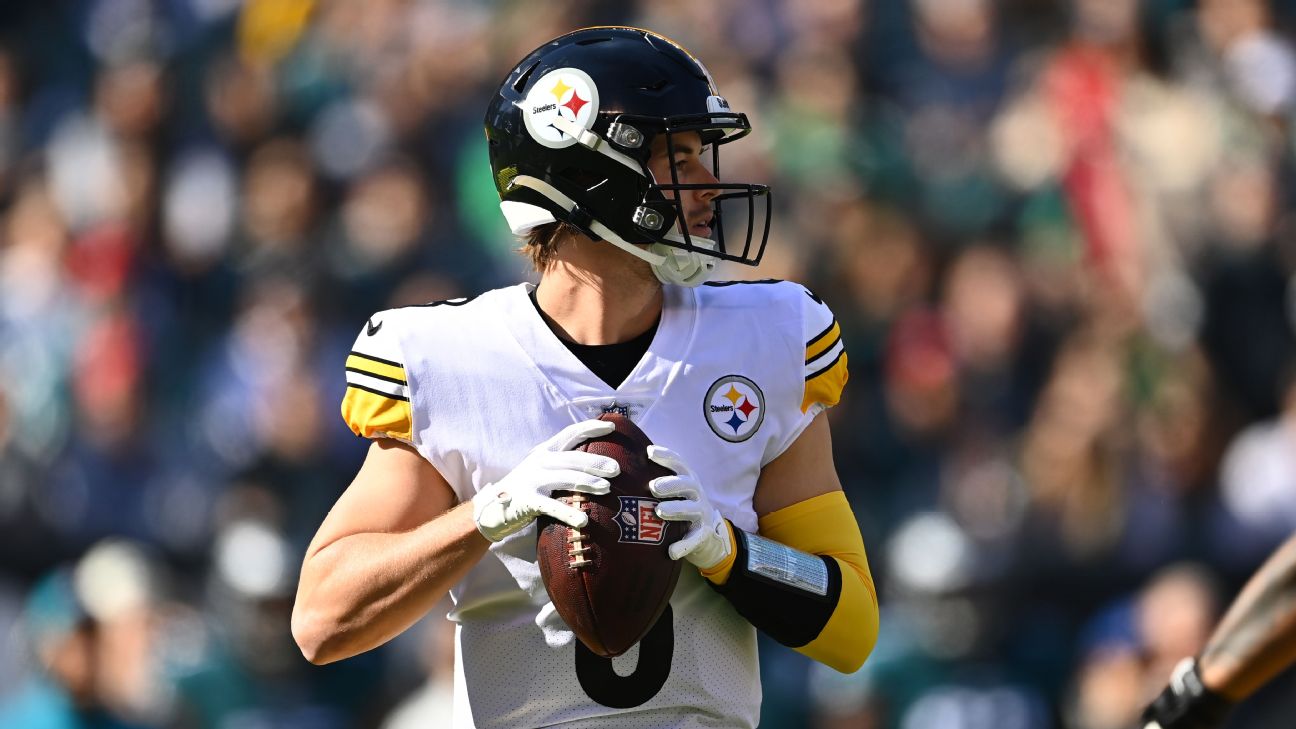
[825,525]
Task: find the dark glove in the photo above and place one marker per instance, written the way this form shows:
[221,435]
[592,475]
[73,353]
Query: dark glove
[1186,703]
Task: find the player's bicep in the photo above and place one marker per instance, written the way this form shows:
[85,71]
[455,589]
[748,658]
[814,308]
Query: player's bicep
[801,472]
[396,490]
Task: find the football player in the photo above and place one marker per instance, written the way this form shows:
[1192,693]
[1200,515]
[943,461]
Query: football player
[605,148]
[1254,642]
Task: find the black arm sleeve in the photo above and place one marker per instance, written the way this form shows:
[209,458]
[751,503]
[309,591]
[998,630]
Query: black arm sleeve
[785,611]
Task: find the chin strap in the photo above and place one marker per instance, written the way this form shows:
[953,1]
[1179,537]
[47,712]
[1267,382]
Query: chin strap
[588,139]
[671,265]
[683,267]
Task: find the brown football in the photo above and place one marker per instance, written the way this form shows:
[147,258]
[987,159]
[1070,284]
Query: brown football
[611,580]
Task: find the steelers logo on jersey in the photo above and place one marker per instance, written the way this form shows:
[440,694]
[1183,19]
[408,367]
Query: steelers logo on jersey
[734,408]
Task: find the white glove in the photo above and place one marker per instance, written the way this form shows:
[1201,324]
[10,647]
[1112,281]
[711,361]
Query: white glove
[513,502]
[707,542]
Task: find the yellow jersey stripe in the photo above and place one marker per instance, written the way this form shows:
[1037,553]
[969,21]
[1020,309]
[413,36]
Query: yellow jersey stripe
[374,414]
[825,387]
[380,368]
[823,341]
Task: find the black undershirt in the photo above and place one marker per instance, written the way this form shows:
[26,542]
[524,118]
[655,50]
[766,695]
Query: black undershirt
[611,362]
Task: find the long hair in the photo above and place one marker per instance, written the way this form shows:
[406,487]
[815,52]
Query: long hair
[541,242]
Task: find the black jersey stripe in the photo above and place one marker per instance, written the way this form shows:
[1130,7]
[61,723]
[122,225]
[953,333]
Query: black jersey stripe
[823,353]
[387,395]
[813,363]
[721,284]
[827,367]
[815,339]
[379,360]
[385,378]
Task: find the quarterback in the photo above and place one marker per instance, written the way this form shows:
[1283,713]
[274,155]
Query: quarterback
[605,146]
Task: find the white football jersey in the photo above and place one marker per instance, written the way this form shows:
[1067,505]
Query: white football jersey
[734,374]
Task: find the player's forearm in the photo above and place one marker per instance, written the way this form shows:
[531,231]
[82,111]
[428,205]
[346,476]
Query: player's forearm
[830,616]
[1257,637]
[364,589]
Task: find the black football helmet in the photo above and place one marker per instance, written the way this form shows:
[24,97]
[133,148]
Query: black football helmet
[570,132]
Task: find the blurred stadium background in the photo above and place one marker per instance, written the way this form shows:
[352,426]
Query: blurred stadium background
[1057,233]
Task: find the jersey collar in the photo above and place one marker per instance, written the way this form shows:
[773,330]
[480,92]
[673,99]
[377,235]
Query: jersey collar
[648,381]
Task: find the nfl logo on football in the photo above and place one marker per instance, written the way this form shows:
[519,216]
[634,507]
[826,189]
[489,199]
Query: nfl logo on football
[639,521]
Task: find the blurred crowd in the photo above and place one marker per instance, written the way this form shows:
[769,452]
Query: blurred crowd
[1056,234]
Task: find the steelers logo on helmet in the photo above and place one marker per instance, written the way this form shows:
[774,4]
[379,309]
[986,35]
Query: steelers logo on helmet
[564,93]
[734,408]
